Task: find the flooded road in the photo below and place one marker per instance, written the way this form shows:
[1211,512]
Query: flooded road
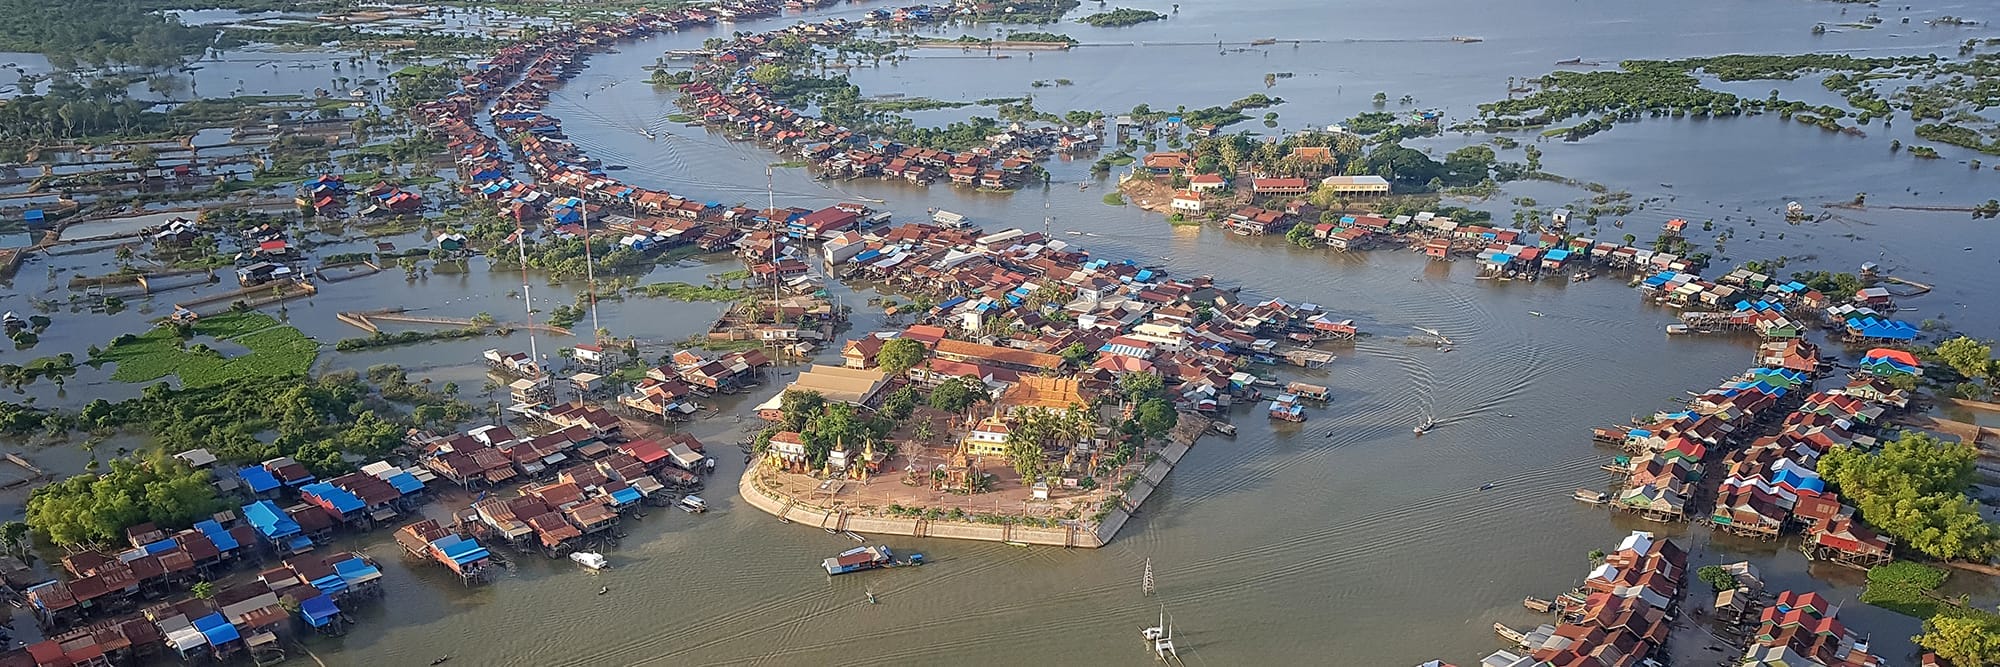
[1343,540]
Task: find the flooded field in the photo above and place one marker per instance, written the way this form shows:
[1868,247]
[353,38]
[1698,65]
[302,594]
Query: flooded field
[1286,544]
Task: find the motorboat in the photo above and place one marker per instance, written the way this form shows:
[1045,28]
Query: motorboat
[590,559]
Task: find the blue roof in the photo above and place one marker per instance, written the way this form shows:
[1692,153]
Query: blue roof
[330,584]
[217,534]
[1143,274]
[342,501]
[258,479]
[33,214]
[217,629]
[1557,254]
[460,550]
[161,546]
[318,610]
[405,483]
[625,496]
[269,520]
[299,543]
[354,568]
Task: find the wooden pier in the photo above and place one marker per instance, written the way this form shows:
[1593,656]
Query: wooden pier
[254,296]
[367,321]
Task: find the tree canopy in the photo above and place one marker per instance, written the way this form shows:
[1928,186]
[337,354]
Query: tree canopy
[1969,357]
[900,354]
[1964,640]
[1914,490]
[98,508]
[1407,166]
[1156,417]
[958,394]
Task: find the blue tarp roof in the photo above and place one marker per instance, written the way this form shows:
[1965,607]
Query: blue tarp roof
[33,215]
[217,534]
[625,496]
[270,521]
[1557,255]
[405,483]
[342,501]
[460,550]
[318,610]
[217,629]
[330,584]
[1143,275]
[353,569]
[299,543]
[257,478]
[161,546]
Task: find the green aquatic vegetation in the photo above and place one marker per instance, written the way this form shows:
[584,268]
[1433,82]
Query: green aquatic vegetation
[1121,17]
[1958,135]
[1671,87]
[275,350]
[690,292]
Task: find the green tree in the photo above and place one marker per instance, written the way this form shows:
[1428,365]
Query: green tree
[770,74]
[1141,386]
[1913,489]
[958,394]
[1717,578]
[901,403]
[1964,640]
[1301,235]
[799,407]
[1076,354]
[900,354]
[15,540]
[1969,357]
[202,590]
[1156,417]
[1407,166]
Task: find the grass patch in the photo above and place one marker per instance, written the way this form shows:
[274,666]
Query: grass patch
[679,118]
[275,350]
[690,292]
[1114,199]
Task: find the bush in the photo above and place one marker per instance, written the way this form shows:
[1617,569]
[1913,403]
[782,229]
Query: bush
[1716,577]
[1903,587]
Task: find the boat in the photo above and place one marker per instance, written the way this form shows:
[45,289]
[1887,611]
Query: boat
[590,559]
[1462,39]
[1073,233]
[871,597]
[1311,391]
[1425,427]
[860,559]
[1488,486]
[1263,42]
[603,590]
[850,535]
[1535,313]
[1287,407]
[1224,428]
[1538,604]
[694,504]
[1012,543]
[440,660]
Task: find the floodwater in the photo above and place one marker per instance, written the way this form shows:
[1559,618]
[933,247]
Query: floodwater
[1343,540]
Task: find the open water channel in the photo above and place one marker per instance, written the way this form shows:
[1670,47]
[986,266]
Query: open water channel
[1341,541]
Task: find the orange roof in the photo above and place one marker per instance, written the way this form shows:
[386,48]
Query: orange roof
[1005,355]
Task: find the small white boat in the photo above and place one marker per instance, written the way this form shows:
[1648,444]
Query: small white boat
[1424,427]
[695,505]
[590,559]
[1535,313]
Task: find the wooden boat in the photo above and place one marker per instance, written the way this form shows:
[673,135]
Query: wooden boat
[1590,496]
[1538,604]
[1312,391]
[1224,428]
